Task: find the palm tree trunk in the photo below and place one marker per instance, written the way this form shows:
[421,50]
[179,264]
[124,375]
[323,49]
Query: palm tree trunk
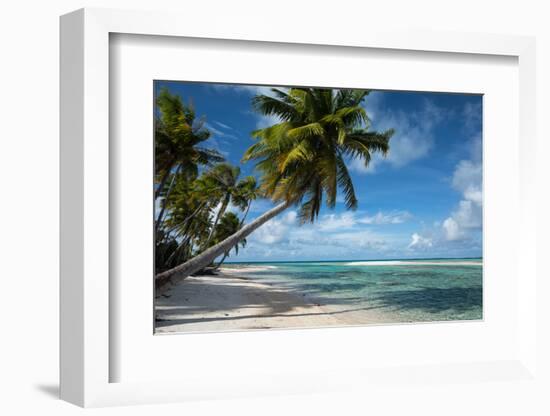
[165,200]
[220,213]
[162,182]
[240,226]
[217,266]
[179,273]
[245,214]
[189,218]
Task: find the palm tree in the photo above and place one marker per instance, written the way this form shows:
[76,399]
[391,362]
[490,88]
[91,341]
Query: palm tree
[189,221]
[247,190]
[178,136]
[302,159]
[229,225]
[179,151]
[224,179]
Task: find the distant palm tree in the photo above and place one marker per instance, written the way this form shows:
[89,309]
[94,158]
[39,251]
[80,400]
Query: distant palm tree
[248,191]
[302,159]
[229,225]
[224,180]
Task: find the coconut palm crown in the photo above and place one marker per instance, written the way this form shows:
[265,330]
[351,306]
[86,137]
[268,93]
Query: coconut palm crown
[178,138]
[302,159]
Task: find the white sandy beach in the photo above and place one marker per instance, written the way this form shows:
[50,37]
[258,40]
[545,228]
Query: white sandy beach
[233,301]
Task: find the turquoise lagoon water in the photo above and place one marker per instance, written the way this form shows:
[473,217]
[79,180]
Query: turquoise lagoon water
[401,291]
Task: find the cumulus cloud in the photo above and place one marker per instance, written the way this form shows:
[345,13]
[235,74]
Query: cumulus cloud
[467,179]
[420,242]
[332,236]
[461,228]
[275,230]
[452,229]
[467,176]
[413,138]
[348,219]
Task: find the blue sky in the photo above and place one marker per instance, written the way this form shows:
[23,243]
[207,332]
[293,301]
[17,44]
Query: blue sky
[423,200]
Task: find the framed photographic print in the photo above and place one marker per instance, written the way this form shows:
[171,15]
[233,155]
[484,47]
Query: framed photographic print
[277,213]
[282,207]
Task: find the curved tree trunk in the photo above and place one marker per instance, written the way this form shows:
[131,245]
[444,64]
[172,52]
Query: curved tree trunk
[178,273]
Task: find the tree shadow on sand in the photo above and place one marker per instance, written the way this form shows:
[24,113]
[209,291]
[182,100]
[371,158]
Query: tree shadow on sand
[181,306]
[240,302]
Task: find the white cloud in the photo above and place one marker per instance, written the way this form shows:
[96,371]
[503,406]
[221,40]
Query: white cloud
[223,126]
[394,217]
[347,220]
[214,130]
[420,242]
[219,137]
[357,165]
[413,138]
[361,239]
[467,179]
[332,222]
[266,121]
[290,217]
[373,104]
[462,227]
[467,176]
[453,231]
[275,230]
[332,236]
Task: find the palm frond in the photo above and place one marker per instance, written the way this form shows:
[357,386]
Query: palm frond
[268,106]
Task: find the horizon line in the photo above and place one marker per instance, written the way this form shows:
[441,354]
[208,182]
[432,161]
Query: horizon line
[354,260]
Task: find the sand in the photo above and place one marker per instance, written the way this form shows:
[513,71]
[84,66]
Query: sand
[232,301]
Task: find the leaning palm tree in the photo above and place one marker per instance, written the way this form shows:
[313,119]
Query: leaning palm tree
[302,159]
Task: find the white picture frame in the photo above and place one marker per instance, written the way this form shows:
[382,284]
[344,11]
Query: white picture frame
[86,356]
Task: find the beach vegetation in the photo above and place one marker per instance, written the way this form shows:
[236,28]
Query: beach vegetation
[302,161]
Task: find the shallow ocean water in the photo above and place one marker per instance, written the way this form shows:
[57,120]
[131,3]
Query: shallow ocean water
[408,291]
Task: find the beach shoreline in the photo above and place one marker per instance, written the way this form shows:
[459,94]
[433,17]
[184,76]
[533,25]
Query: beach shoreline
[266,296]
[232,301]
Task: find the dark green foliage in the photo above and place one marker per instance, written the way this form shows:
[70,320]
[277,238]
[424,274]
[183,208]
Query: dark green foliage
[303,157]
